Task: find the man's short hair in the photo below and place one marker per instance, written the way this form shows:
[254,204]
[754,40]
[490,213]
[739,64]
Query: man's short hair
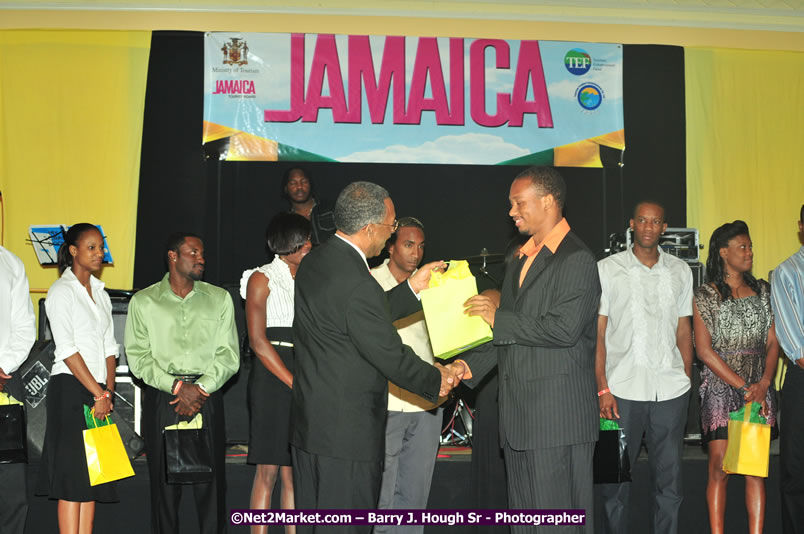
[404,222]
[547,181]
[359,204]
[649,201]
[176,240]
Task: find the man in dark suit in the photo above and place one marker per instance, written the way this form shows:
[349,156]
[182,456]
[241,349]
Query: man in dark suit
[544,345]
[346,350]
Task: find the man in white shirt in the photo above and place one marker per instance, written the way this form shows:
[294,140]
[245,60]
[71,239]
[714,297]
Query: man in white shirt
[414,424]
[643,363]
[17,333]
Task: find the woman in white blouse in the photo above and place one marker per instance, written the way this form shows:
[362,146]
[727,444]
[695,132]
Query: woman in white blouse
[268,291]
[80,315]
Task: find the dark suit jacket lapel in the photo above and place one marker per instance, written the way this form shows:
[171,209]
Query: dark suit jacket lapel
[510,283]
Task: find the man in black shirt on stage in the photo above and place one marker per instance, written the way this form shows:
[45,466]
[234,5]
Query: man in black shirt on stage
[297,187]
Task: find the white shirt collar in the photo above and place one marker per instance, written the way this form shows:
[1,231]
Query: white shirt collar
[636,263]
[354,247]
[93,282]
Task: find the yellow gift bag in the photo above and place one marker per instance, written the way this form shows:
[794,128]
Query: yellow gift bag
[748,449]
[107,460]
[451,331]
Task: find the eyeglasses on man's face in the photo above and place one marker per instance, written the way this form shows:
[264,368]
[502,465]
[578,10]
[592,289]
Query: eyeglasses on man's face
[394,226]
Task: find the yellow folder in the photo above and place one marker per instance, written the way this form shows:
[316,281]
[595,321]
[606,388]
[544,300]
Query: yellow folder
[451,330]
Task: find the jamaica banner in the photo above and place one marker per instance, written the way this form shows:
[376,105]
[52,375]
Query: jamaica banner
[396,99]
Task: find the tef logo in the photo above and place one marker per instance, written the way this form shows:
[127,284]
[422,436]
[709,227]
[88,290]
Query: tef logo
[577,61]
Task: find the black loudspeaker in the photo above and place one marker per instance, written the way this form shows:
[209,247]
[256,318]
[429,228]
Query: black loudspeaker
[35,374]
[235,401]
[126,393]
[698,273]
[692,431]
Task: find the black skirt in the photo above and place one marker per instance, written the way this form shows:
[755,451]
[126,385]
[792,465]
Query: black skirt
[269,407]
[63,470]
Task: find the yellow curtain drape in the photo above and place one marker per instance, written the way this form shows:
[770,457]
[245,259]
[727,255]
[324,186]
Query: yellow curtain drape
[71,112]
[744,146]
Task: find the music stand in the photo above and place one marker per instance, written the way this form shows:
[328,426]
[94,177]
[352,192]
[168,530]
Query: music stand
[48,238]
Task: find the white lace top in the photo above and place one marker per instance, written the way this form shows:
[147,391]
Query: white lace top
[279,306]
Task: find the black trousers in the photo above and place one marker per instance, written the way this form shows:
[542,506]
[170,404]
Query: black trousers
[13,487]
[210,498]
[791,446]
[323,482]
[551,479]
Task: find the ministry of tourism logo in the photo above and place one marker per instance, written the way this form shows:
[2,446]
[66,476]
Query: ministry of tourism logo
[235,52]
[589,96]
[577,61]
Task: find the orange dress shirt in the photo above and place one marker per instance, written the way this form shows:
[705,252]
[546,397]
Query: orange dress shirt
[551,241]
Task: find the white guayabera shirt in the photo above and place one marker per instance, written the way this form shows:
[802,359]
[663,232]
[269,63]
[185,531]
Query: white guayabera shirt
[643,306]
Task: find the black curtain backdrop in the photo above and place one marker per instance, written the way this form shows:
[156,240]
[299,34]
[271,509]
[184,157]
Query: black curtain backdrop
[464,208]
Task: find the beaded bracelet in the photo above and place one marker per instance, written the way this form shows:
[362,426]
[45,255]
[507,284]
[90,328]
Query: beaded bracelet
[105,395]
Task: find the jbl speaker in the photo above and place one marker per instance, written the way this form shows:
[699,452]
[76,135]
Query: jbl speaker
[35,375]
[235,399]
[692,430]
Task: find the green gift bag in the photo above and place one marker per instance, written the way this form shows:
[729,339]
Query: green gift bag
[451,330]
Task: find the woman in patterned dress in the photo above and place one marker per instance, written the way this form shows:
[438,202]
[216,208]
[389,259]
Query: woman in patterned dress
[735,338]
[269,291]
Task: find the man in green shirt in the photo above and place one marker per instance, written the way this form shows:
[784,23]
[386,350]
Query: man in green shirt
[182,342]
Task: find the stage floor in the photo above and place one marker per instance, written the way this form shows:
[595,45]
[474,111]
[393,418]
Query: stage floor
[450,489]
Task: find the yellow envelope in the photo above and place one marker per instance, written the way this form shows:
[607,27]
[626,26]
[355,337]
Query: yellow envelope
[6,399]
[193,424]
[451,330]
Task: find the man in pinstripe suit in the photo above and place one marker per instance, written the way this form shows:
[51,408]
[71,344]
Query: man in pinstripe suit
[544,345]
